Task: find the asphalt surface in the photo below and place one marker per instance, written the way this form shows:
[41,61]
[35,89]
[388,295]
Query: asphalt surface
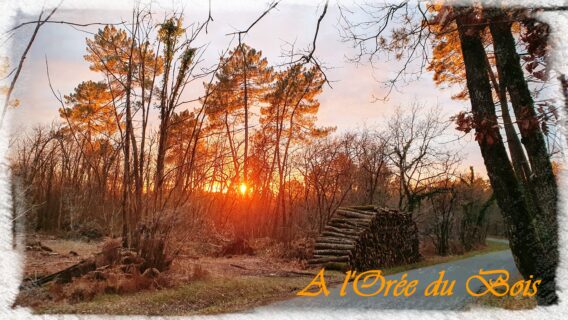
[459,270]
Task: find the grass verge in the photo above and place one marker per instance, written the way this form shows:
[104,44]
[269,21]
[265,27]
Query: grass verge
[492,246]
[199,297]
[505,302]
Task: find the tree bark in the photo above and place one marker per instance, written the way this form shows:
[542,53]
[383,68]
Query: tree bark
[529,253]
[125,207]
[564,87]
[508,60]
[246,110]
[518,159]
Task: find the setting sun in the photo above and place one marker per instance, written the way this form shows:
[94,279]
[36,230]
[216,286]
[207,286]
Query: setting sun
[243,188]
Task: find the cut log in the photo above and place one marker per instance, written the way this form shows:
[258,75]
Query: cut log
[339,235]
[339,224]
[335,240]
[325,259]
[363,208]
[342,231]
[366,213]
[337,219]
[346,225]
[331,252]
[349,214]
[333,246]
[357,227]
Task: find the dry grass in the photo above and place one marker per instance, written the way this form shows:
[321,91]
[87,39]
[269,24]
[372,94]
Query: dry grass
[64,246]
[198,297]
[505,302]
[199,273]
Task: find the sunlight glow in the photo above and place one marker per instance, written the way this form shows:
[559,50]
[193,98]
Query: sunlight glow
[243,188]
[215,187]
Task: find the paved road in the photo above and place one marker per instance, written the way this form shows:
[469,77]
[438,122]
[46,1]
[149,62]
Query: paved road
[459,270]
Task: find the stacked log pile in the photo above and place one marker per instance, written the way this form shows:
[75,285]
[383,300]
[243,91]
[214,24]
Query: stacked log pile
[367,237]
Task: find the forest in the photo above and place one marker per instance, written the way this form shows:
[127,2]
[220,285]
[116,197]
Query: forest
[131,160]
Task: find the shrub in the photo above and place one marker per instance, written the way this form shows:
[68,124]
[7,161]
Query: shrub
[88,230]
[238,246]
[110,253]
[150,243]
[82,290]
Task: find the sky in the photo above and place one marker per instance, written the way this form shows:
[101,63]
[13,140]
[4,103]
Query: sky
[349,104]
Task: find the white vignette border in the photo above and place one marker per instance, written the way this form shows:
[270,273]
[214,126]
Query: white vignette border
[11,261]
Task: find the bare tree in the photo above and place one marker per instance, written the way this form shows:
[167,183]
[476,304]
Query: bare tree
[416,153]
[371,152]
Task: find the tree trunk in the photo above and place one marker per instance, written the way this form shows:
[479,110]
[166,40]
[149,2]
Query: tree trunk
[564,87]
[125,206]
[508,60]
[525,243]
[164,121]
[542,179]
[518,159]
[246,110]
[161,156]
[128,133]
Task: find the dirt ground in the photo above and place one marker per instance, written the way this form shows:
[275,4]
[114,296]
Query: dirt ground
[40,261]
[65,253]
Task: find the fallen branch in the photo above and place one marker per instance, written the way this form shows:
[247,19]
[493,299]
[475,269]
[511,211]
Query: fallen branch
[65,275]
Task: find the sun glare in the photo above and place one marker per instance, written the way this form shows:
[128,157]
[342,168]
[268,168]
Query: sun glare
[243,188]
